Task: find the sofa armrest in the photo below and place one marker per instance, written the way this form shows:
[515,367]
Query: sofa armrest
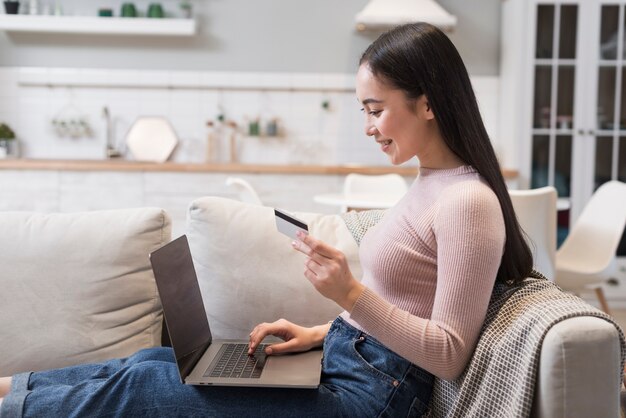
[579,370]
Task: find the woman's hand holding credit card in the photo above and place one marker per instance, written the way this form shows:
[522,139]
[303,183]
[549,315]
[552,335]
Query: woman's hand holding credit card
[325,266]
[289,225]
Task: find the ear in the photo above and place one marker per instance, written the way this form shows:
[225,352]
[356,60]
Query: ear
[424,108]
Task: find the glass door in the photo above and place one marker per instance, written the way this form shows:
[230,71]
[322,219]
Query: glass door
[555,73]
[609,136]
[578,135]
[610,126]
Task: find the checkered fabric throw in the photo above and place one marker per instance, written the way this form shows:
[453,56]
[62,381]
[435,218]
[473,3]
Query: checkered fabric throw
[359,222]
[499,379]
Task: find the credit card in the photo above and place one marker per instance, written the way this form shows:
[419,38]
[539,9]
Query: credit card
[289,225]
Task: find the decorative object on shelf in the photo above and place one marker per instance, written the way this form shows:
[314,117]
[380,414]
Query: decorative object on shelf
[105,12]
[187,8]
[58,9]
[564,122]
[72,128]
[232,141]
[33,7]
[111,148]
[271,129]
[11,7]
[151,139]
[8,142]
[254,128]
[155,10]
[71,122]
[211,144]
[128,10]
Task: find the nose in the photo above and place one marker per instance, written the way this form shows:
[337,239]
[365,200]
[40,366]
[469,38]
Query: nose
[370,129]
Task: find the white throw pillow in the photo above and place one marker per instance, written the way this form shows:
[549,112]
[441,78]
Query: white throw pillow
[78,287]
[248,271]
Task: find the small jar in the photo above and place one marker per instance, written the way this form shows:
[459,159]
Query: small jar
[271,129]
[253,128]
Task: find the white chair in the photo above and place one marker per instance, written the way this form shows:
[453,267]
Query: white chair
[586,259]
[392,185]
[537,214]
[245,191]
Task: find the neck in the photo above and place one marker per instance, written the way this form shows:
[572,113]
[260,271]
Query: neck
[436,154]
[439,157]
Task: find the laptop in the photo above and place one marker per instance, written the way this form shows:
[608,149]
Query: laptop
[204,361]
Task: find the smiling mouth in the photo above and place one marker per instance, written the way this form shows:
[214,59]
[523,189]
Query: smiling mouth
[385,142]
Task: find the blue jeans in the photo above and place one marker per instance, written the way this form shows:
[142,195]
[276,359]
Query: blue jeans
[360,378]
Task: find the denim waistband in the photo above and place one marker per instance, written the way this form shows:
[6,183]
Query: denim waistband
[412,385]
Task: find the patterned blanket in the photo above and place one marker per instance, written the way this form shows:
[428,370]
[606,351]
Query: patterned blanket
[506,358]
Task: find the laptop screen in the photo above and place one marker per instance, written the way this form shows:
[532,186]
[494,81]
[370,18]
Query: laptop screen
[183,308]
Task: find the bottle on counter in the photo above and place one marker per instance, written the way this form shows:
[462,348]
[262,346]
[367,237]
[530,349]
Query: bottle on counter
[33,7]
[211,143]
[232,139]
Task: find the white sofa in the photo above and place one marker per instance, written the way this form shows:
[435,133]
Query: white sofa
[78,288]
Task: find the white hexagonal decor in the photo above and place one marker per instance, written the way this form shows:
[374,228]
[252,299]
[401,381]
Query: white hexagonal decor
[151,139]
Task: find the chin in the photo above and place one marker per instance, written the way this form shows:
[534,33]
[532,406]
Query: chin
[396,160]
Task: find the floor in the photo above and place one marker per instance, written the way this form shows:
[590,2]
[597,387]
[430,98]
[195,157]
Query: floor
[620,317]
[615,294]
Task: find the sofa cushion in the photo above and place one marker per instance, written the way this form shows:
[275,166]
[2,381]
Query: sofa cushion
[248,271]
[78,287]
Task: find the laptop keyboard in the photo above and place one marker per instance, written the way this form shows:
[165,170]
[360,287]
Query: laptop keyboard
[233,361]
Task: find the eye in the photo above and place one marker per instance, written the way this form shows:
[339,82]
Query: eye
[371,112]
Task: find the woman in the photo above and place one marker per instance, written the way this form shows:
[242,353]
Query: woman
[429,269]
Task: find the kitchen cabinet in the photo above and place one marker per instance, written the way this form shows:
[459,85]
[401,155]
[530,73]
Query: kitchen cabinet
[563,94]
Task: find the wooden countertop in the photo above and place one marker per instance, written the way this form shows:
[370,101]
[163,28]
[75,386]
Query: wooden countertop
[125,165]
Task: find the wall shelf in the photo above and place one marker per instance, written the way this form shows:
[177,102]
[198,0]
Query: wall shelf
[128,165]
[98,25]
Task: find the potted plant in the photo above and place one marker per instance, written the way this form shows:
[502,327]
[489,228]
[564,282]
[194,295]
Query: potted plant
[8,145]
[11,7]
[187,8]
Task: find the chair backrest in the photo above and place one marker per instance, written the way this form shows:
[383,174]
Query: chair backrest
[593,239]
[245,191]
[536,213]
[387,184]
[366,183]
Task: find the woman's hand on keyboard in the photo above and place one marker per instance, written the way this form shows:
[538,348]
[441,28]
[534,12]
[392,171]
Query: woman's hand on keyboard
[296,338]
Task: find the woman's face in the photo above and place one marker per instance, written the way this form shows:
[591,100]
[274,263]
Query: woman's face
[401,127]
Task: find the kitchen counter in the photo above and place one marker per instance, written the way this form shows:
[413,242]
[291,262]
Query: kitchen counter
[126,165]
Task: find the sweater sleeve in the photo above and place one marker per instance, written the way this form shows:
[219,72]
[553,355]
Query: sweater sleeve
[470,235]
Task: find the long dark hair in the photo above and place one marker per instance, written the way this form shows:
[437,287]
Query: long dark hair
[420,59]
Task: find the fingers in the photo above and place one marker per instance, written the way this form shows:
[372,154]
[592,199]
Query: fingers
[295,338]
[286,347]
[281,328]
[309,246]
[258,334]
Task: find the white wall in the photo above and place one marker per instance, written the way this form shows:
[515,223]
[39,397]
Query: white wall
[31,98]
[249,36]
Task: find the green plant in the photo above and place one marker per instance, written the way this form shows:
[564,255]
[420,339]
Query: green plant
[6,132]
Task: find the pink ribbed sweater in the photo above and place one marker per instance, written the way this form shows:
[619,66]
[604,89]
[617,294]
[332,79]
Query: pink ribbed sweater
[429,267]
